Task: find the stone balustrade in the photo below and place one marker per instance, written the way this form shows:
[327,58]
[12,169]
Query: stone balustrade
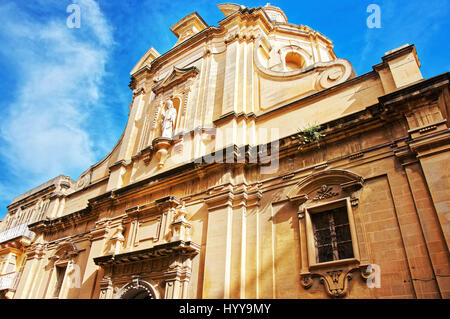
[15,232]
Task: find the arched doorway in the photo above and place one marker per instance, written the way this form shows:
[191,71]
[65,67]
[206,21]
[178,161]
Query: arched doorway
[137,290]
[137,293]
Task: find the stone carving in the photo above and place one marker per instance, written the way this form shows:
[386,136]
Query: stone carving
[324,193]
[117,240]
[83,181]
[336,282]
[134,287]
[65,251]
[181,228]
[306,280]
[334,74]
[161,146]
[168,123]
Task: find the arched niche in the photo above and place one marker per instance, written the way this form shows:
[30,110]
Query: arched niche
[177,102]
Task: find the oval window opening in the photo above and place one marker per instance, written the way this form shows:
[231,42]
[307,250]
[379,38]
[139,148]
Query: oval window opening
[294,61]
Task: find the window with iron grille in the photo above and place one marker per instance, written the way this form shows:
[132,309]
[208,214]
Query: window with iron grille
[332,236]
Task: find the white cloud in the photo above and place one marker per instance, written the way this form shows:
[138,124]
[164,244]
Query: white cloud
[60,72]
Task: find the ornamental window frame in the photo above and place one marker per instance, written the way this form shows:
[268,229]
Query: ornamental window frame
[64,257]
[320,192]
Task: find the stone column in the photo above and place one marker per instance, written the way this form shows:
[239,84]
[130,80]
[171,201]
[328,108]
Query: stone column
[106,288]
[31,270]
[216,283]
[430,142]
[226,247]
[98,237]
[231,81]
[431,228]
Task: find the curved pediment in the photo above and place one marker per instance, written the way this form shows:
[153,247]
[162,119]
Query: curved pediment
[324,185]
[64,251]
[228,8]
[174,77]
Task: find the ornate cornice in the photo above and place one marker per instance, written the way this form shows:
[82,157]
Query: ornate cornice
[63,222]
[233,196]
[185,248]
[157,206]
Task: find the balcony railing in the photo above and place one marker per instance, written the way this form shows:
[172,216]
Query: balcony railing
[15,232]
[7,281]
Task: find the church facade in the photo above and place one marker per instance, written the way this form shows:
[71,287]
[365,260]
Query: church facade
[255,164]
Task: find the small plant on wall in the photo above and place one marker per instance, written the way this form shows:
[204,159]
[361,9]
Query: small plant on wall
[310,134]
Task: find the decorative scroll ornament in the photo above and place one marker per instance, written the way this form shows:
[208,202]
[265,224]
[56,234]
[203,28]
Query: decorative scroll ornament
[333,75]
[83,182]
[308,77]
[329,73]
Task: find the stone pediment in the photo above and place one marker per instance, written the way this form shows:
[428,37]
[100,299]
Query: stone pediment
[175,77]
[148,57]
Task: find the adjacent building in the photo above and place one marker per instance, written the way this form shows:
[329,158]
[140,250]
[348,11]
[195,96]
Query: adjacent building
[255,164]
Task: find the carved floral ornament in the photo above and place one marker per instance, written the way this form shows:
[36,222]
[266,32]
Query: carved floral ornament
[327,189]
[325,192]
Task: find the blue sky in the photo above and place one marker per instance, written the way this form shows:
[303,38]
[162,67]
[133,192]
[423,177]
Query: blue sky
[65,92]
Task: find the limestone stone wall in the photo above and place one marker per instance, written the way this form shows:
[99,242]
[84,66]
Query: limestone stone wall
[226,207]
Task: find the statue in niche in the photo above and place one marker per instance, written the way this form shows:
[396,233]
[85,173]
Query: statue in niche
[168,123]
